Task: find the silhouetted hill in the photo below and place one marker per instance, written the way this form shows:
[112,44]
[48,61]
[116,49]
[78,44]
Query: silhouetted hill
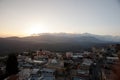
[53,42]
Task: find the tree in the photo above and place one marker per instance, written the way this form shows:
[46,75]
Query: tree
[11,65]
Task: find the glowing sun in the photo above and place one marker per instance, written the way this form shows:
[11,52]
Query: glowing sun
[36,29]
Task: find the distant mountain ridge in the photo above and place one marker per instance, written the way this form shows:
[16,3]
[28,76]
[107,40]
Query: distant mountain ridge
[55,42]
[70,35]
[104,37]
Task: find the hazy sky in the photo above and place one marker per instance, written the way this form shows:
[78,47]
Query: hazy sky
[25,17]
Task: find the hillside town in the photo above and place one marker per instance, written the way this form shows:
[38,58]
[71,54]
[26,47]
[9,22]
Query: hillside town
[96,64]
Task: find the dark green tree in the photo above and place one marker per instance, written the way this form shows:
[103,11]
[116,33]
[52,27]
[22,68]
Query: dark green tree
[11,65]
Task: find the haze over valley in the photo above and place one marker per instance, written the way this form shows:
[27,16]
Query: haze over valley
[56,42]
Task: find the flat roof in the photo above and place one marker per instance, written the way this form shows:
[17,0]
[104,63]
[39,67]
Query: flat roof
[78,78]
[87,62]
[48,78]
[115,58]
[38,61]
[34,71]
[48,70]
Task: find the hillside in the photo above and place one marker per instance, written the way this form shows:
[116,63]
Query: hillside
[53,42]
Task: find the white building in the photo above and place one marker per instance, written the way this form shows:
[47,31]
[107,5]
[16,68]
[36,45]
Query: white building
[69,54]
[48,74]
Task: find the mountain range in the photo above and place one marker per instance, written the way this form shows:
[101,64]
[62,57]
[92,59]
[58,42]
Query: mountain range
[55,42]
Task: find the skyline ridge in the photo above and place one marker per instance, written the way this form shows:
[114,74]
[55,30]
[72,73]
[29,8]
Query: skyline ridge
[38,34]
[68,35]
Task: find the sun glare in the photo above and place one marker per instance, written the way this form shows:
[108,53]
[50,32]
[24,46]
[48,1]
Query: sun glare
[36,29]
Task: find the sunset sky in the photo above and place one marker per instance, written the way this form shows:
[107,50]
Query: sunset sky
[26,17]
